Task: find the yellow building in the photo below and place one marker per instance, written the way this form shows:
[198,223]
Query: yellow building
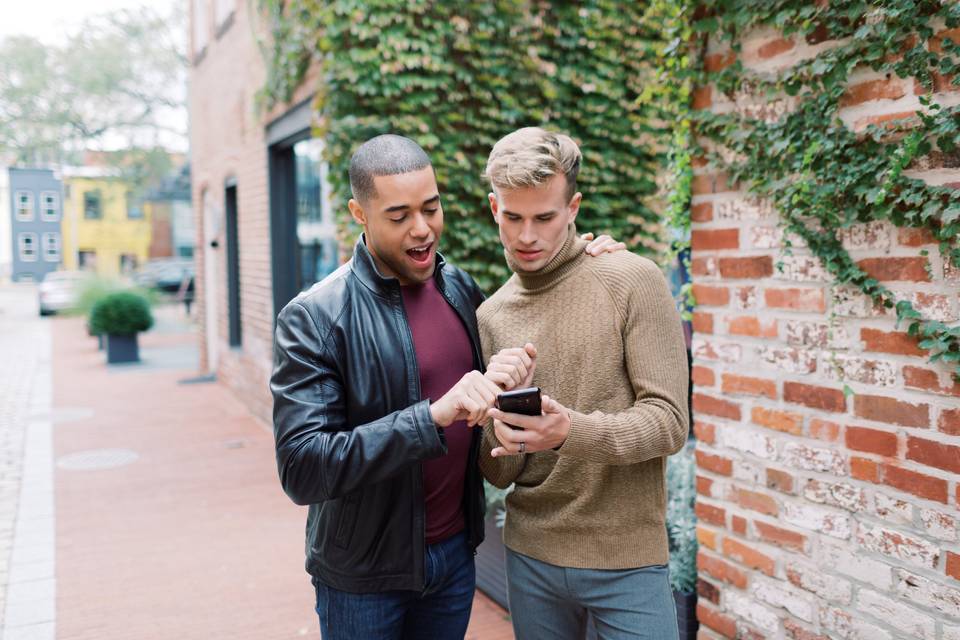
[105,229]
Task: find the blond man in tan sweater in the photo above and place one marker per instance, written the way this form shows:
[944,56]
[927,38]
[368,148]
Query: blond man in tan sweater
[585,529]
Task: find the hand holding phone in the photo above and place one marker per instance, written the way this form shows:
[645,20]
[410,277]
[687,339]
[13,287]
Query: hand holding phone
[523,401]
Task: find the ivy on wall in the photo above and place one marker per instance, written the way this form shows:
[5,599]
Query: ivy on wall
[457,76]
[821,175]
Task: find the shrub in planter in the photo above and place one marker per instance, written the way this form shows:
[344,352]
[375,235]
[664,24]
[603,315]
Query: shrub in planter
[682,535]
[121,316]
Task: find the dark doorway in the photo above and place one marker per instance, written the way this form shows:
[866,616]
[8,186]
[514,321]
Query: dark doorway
[233,265]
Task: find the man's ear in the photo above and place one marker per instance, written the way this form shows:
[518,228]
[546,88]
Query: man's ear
[494,206]
[574,206]
[356,210]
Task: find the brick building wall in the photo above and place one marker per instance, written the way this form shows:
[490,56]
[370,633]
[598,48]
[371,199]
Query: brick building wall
[227,139]
[821,515]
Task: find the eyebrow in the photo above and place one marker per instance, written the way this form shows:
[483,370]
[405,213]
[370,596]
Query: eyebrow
[403,207]
[536,215]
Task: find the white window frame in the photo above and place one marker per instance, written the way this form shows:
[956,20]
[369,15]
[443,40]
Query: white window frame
[51,247]
[201,28]
[21,238]
[51,213]
[30,205]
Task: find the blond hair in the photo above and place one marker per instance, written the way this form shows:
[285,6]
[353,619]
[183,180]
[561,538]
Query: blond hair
[531,156]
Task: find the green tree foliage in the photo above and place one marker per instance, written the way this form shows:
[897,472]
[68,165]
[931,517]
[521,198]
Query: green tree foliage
[457,76]
[823,176]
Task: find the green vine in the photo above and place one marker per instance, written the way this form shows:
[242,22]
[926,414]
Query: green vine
[820,174]
[456,76]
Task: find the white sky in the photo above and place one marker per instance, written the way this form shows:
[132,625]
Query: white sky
[49,19]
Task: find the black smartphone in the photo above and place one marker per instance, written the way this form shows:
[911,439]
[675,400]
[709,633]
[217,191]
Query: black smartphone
[522,401]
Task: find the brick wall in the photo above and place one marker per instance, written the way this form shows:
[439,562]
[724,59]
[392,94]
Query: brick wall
[227,139]
[820,515]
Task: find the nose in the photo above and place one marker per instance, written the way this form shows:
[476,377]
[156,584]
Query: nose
[527,236]
[420,228]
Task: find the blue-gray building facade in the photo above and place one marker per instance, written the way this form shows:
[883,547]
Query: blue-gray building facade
[36,213]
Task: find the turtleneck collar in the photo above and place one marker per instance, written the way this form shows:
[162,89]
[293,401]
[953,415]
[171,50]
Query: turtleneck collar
[559,266]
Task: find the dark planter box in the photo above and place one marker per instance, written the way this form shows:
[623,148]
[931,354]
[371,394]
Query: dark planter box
[121,349]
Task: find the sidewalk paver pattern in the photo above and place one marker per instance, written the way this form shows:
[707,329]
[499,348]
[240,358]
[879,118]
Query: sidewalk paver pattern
[170,521]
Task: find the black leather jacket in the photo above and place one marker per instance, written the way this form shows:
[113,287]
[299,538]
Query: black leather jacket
[351,430]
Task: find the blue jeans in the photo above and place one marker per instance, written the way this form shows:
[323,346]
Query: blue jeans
[547,601]
[439,612]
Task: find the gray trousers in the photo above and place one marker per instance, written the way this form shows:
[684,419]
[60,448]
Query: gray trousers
[551,602]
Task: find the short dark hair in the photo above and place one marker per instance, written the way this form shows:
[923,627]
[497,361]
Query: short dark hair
[384,155]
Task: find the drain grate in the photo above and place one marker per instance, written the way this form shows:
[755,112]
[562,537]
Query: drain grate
[97,459]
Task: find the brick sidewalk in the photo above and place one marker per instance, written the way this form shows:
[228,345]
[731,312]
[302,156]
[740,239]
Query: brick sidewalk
[195,538]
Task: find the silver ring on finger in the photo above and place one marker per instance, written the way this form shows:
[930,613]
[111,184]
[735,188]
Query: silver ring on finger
[523,447]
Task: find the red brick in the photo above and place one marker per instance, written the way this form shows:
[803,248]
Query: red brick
[881,443]
[718,61]
[891,411]
[701,212]
[704,486]
[714,239]
[707,537]
[824,430]
[750,386]
[884,89]
[928,380]
[936,42]
[774,48]
[721,570]
[890,342]
[934,454]
[716,406]
[896,269]
[711,296]
[704,431]
[779,420]
[953,565]
[702,98]
[759,502]
[710,514]
[918,484]
[750,267]
[779,480]
[707,183]
[750,326]
[796,632]
[748,556]
[702,376]
[890,121]
[815,397]
[941,83]
[864,469]
[707,591]
[717,464]
[702,322]
[949,422]
[915,237]
[796,299]
[739,525]
[719,622]
[780,537]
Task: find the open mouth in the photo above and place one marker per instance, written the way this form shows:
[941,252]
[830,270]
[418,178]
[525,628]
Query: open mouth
[421,255]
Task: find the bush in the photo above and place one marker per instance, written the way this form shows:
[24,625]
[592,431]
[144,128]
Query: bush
[681,520]
[121,313]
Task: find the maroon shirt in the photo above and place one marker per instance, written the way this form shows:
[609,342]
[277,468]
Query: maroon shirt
[444,355]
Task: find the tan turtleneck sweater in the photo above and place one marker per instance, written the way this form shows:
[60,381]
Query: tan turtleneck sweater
[610,349]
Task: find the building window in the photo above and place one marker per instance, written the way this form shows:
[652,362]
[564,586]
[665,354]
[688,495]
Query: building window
[24,206]
[50,206]
[185,252]
[27,246]
[51,247]
[200,28]
[134,208]
[87,259]
[128,263]
[92,207]
[316,232]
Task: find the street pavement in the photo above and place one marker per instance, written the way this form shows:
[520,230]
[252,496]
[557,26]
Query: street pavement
[138,503]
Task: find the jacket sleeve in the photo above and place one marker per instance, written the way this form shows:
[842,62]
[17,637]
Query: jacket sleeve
[320,456]
[656,424]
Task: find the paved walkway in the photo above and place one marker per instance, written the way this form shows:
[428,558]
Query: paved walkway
[170,521]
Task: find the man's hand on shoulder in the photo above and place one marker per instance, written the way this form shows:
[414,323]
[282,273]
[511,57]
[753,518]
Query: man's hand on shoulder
[513,368]
[536,433]
[603,244]
[467,400]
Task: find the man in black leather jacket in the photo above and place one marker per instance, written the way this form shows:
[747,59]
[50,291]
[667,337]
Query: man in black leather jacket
[376,380]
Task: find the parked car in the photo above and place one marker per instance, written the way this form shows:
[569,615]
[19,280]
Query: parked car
[59,291]
[165,274]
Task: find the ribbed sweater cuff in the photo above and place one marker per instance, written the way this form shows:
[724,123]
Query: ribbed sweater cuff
[581,439]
